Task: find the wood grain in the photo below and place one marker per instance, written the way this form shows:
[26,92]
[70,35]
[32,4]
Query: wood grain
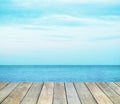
[115,98]
[46,96]
[59,94]
[71,93]
[7,90]
[33,94]
[16,96]
[100,97]
[84,94]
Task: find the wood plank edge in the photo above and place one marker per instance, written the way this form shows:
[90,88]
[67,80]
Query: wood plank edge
[7,83]
[40,92]
[77,93]
[91,93]
[65,93]
[104,91]
[9,93]
[26,92]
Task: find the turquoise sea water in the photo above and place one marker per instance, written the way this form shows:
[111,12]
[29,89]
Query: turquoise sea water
[58,73]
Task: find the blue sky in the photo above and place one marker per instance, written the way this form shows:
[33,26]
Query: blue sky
[60,32]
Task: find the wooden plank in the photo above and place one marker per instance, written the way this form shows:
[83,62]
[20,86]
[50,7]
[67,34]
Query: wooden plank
[115,87]
[46,96]
[16,96]
[59,94]
[118,83]
[100,97]
[110,93]
[33,94]
[72,96]
[7,90]
[2,85]
[84,94]
[77,93]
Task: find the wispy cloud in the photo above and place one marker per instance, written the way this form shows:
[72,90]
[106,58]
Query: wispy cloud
[54,32]
[60,28]
[106,38]
[49,2]
[75,21]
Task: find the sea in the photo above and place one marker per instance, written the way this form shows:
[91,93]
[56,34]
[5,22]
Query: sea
[59,73]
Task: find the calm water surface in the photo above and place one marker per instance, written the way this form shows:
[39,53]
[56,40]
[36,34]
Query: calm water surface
[59,73]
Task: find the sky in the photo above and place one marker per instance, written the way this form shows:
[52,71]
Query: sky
[59,32]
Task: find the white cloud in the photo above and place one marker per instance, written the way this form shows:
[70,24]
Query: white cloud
[41,3]
[67,20]
[30,2]
[16,42]
[62,33]
[35,32]
[87,1]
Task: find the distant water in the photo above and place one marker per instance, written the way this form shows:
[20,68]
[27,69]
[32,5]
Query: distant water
[58,73]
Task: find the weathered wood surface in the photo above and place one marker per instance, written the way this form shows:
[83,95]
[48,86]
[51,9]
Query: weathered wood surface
[33,94]
[60,93]
[17,94]
[46,96]
[71,93]
[7,90]
[98,94]
[115,98]
[2,85]
[84,94]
